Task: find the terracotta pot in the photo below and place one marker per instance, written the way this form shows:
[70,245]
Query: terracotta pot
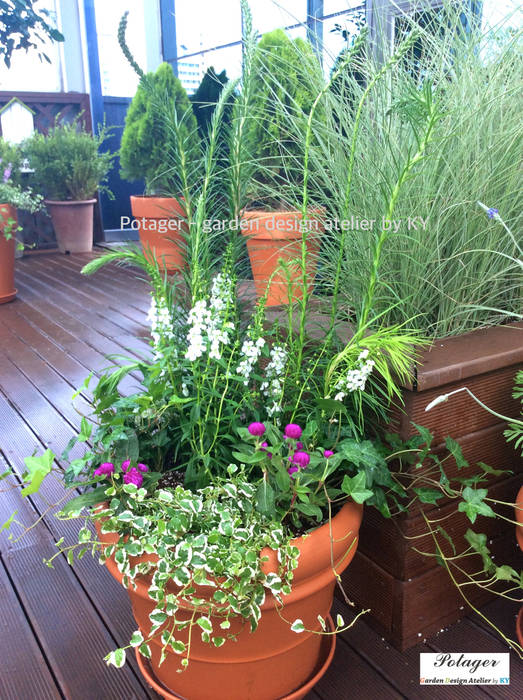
[328,647]
[273,661]
[7,255]
[73,224]
[153,214]
[275,236]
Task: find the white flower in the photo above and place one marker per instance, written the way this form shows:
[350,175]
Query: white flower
[356,378]
[250,353]
[272,387]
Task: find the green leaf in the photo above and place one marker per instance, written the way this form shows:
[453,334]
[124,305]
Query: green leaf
[177,646]
[298,626]
[204,623]
[245,458]
[340,622]
[355,487]
[473,505]
[478,542]
[116,658]
[506,573]
[426,495]
[86,429]
[9,521]
[136,639]
[38,468]
[455,449]
[265,498]
[145,650]
[425,434]
[311,510]
[489,470]
[75,505]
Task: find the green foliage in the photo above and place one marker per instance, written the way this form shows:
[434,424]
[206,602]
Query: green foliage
[10,159]
[11,189]
[148,143]
[286,79]
[22,27]
[206,97]
[514,432]
[67,162]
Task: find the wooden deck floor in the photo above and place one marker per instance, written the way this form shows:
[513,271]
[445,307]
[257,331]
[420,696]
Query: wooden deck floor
[57,625]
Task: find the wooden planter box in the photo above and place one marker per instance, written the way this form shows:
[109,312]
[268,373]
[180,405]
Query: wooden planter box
[409,595]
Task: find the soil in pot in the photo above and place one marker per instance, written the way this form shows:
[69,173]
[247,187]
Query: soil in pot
[73,224]
[275,237]
[162,229]
[273,661]
[7,255]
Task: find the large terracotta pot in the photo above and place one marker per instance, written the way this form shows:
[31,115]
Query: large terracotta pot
[7,254]
[162,229]
[273,661]
[275,236]
[73,224]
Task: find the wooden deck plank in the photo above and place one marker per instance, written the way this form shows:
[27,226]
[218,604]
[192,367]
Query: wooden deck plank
[77,316]
[25,673]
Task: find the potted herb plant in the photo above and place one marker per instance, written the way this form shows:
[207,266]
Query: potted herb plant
[13,196]
[69,169]
[281,94]
[150,150]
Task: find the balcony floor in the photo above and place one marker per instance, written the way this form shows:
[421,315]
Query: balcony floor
[57,625]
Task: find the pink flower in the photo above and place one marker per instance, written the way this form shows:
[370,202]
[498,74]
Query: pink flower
[328,453]
[133,476]
[299,445]
[302,459]
[293,431]
[293,470]
[105,469]
[126,465]
[142,467]
[256,429]
[263,448]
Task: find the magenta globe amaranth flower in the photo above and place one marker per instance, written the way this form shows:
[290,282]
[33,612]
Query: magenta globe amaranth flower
[105,469]
[126,464]
[263,448]
[293,431]
[328,453]
[293,470]
[142,467]
[256,429]
[302,459]
[133,476]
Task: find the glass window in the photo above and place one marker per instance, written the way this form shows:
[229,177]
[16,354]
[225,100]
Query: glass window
[270,14]
[331,6]
[117,77]
[30,74]
[201,24]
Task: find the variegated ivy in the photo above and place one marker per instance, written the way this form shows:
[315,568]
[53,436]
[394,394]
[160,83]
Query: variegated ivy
[211,537]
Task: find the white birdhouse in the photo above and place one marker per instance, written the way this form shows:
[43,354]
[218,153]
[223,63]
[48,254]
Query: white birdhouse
[17,121]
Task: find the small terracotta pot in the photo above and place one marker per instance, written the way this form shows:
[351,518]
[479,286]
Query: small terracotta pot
[275,236]
[73,224]
[7,254]
[153,215]
[273,661]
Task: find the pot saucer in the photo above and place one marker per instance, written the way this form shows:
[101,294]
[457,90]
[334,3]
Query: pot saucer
[326,655]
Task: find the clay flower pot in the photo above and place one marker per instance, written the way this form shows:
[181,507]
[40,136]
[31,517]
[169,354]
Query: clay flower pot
[161,226]
[275,236]
[7,255]
[73,224]
[272,662]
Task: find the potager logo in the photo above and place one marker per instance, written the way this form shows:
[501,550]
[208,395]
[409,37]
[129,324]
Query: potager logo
[464,669]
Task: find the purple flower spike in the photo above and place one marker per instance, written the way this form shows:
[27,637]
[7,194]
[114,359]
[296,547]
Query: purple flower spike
[328,453]
[133,476]
[105,469]
[302,459]
[491,212]
[7,172]
[143,467]
[293,431]
[126,465]
[293,470]
[256,429]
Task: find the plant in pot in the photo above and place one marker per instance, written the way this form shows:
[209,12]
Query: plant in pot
[150,151]
[227,491]
[13,196]
[69,169]
[286,80]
